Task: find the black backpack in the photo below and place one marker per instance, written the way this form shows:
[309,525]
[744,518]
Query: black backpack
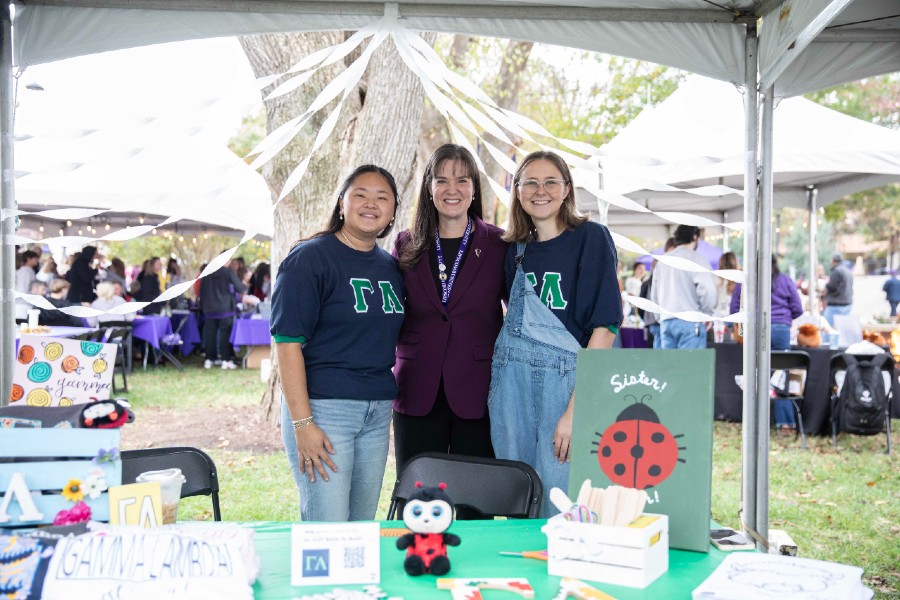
[860,406]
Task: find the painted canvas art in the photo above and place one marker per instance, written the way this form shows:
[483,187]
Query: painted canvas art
[61,372]
[643,420]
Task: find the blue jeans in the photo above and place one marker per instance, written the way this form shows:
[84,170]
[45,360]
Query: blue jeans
[532,379]
[685,335]
[784,409]
[830,312]
[359,431]
[657,338]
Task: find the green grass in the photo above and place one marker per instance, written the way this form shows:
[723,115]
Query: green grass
[841,505]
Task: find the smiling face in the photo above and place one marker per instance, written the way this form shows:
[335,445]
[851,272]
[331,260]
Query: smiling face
[452,189]
[368,206]
[538,202]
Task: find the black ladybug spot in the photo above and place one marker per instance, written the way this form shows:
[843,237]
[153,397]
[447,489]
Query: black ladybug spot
[619,469]
[620,436]
[657,438]
[637,451]
[430,551]
[654,470]
[606,451]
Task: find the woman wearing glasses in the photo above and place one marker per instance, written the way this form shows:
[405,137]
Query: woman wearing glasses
[563,295]
[337,308]
[452,265]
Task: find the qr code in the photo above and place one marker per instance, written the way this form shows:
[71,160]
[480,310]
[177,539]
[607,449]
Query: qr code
[354,557]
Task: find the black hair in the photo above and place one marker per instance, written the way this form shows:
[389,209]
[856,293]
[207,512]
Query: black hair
[685,234]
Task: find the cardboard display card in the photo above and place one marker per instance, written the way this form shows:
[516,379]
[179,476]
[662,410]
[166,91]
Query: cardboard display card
[137,504]
[335,553]
[644,420]
[53,371]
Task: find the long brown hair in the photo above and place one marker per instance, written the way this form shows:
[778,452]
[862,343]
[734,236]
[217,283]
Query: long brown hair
[521,227]
[421,233]
[335,222]
[729,261]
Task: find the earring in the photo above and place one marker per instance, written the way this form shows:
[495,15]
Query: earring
[342,216]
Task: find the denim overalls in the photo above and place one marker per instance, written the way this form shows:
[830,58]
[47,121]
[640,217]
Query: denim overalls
[532,379]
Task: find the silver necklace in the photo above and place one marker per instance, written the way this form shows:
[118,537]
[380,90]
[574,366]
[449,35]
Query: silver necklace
[346,239]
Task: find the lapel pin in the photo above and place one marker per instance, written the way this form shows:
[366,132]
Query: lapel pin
[477,252]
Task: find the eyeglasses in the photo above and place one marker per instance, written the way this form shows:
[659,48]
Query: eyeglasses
[551,186]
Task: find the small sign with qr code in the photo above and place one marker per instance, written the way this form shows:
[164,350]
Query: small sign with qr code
[335,554]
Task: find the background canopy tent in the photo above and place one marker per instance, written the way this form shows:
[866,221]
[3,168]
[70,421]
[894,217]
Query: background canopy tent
[695,138]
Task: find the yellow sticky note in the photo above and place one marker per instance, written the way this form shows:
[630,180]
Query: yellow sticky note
[136,504]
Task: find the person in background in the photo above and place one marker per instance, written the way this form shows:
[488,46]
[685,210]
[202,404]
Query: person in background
[337,310]
[121,292]
[634,282]
[48,271]
[149,279]
[651,319]
[198,282]
[217,301]
[25,273]
[173,273]
[262,281]
[115,273]
[680,290]
[891,291]
[107,300]
[725,287]
[59,290]
[452,265]
[83,277]
[560,269]
[246,302]
[237,263]
[838,292]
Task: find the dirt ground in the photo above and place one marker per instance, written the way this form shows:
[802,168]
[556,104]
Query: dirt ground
[227,427]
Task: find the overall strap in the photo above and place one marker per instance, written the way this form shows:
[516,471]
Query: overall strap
[520,253]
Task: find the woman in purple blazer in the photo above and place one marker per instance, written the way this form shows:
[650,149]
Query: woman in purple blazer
[452,265]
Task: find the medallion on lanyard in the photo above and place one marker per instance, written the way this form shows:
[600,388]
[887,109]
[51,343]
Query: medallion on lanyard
[448,280]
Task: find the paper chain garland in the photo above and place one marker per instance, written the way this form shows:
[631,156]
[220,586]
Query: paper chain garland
[438,82]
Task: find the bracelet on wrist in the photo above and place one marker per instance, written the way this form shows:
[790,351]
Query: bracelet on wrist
[301,423]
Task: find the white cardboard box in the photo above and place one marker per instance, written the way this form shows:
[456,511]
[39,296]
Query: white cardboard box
[632,556]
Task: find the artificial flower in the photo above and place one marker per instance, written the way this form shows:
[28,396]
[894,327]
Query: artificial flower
[77,514]
[106,456]
[95,484]
[73,491]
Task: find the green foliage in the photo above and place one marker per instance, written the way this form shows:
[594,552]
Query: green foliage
[795,240]
[251,132]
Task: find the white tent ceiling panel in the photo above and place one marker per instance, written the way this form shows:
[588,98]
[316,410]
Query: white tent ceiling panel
[826,64]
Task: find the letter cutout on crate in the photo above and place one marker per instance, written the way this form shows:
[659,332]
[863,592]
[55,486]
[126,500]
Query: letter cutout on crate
[57,476]
[643,419]
[61,372]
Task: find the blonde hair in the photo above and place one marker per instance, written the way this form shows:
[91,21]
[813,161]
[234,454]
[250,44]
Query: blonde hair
[521,227]
[59,285]
[106,290]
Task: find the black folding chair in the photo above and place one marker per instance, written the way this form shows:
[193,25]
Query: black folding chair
[125,345]
[797,360]
[491,486]
[838,364]
[167,345]
[199,470]
[121,337]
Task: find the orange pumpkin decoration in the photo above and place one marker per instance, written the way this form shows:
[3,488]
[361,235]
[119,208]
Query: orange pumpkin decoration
[70,364]
[26,354]
[17,393]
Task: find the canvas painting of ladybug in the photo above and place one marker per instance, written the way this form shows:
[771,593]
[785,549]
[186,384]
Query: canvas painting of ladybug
[643,419]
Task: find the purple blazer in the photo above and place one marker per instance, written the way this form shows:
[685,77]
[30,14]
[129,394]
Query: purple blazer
[458,341]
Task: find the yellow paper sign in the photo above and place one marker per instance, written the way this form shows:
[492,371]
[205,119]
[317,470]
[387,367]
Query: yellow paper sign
[136,504]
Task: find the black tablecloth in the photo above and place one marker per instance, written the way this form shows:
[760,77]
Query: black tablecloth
[817,404]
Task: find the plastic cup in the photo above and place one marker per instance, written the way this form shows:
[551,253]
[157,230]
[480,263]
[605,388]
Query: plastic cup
[170,481]
[834,341]
[33,316]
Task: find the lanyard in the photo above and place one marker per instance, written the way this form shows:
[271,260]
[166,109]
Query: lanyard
[447,281]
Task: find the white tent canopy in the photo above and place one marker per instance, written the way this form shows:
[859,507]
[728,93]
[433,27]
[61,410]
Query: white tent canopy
[695,138]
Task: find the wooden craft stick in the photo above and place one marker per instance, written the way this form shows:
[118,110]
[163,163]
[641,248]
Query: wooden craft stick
[575,588]
[584,494]
[610,506]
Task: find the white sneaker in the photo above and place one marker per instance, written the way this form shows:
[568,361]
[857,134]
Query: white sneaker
[228,365]
[217,362]
[207,364]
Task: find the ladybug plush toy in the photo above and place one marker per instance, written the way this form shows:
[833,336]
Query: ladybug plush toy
[428,514]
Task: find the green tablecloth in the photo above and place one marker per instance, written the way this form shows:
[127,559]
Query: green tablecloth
[477,556]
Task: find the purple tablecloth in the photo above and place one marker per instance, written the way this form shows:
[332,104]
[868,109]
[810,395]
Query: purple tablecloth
[59,331]
[632,337]
[190,333]
[152,328]
[250,332]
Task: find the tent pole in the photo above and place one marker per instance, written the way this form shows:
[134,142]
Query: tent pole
[764,310]
[8,202]
[751,133]
[812,278]
[725,247]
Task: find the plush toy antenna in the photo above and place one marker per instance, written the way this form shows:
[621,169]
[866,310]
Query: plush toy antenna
[418,484]
[442,485]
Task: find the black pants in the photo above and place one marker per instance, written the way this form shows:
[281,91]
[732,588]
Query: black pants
[442,431]
[216,334]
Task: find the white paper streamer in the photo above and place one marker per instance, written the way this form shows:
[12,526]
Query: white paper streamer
[690,315]
[677,262]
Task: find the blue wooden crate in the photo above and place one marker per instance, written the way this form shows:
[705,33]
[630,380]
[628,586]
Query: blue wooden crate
[48,459]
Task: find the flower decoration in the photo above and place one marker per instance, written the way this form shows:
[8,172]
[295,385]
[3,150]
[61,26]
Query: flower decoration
[77,514]
[73,491]
[106,456]
[95,484]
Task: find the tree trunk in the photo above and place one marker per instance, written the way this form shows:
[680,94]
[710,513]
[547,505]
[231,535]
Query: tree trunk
[380,126]
[305,210]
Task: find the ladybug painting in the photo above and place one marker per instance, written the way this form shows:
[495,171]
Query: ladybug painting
[638,451]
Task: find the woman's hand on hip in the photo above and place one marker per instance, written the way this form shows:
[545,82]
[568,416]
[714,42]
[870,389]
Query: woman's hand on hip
[314,450]
[562,435]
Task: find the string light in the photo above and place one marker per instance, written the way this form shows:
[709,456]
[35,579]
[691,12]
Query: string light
[107,227]
[41,229]
[60,232]
[154,232]
[68,223]
[141,220]
[79,232]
